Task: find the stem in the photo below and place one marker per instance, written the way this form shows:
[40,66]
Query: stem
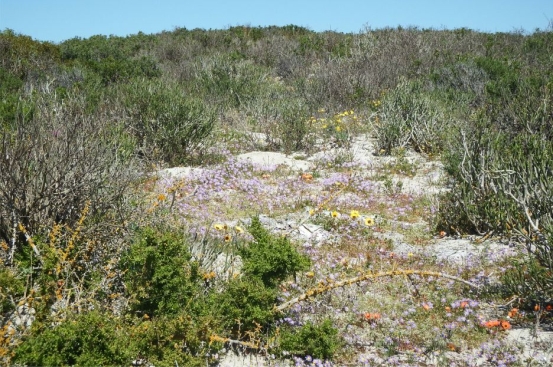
[322,288]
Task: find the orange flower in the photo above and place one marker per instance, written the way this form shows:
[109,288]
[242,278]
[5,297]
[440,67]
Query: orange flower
[506,325]
[448,309]
[307,177]
[372,316]
[452,347]
[513,313]
[426,306]
[442,234]
[491,324]
[549,307]
[464,304]
[536,307]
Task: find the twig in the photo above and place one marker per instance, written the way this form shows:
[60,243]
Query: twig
[325,287]
[217,338]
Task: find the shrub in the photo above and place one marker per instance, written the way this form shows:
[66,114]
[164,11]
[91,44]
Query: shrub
[503,184]
[55,162]
[10,87]
[245,305]
[411,117]
[270,259]
[167,124]
[160,277]
[86,340]
[316,340]
[11,289]
[228,82]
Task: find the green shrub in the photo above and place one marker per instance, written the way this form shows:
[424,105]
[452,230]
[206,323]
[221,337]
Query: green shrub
[21,55]
[10,87]
[91,339]
[318,341]
[245,305]
[290,126]
[160,277]
[412,117]
[228,82]
[270,259]
[167,124]
[503,183]
[11,289]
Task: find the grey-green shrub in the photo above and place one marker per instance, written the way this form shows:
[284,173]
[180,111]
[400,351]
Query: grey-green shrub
[503,183]
[168,123]
[57,160]
[412,117]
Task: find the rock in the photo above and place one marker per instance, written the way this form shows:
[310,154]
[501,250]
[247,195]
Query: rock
[270,160]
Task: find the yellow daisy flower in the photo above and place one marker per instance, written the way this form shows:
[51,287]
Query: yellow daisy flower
[219,227]
[335,214]
[369,221]
[354,214]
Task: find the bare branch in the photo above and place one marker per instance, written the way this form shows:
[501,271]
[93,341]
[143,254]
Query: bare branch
[325,287]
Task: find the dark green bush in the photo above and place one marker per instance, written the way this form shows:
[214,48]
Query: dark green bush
[10,87]
[11,289]
[316,340]
[271,259]
[91,339]
[245,305]
[160,277]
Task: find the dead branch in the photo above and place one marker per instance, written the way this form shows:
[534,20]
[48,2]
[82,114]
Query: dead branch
[328,286]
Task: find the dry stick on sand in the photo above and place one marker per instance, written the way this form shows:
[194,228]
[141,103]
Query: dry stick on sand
[325,287]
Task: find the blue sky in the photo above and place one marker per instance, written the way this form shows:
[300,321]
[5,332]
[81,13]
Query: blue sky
[58,20]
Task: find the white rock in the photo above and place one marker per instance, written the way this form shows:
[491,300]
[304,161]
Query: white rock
[273,159]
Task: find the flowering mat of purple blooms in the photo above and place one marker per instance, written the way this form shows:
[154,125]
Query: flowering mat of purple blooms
[352,211]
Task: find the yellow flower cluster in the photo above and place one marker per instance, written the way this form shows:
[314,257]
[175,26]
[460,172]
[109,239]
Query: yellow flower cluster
[354,214]
[336,124]
[376,103]
[225,228]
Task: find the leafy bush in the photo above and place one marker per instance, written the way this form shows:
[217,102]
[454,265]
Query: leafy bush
[245,305]
[20,54]
[270,259]
[10,86]
[411,117]
[316,340]
[114,59]
[161,278]
[11,289]
[167,124]
[89,339]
